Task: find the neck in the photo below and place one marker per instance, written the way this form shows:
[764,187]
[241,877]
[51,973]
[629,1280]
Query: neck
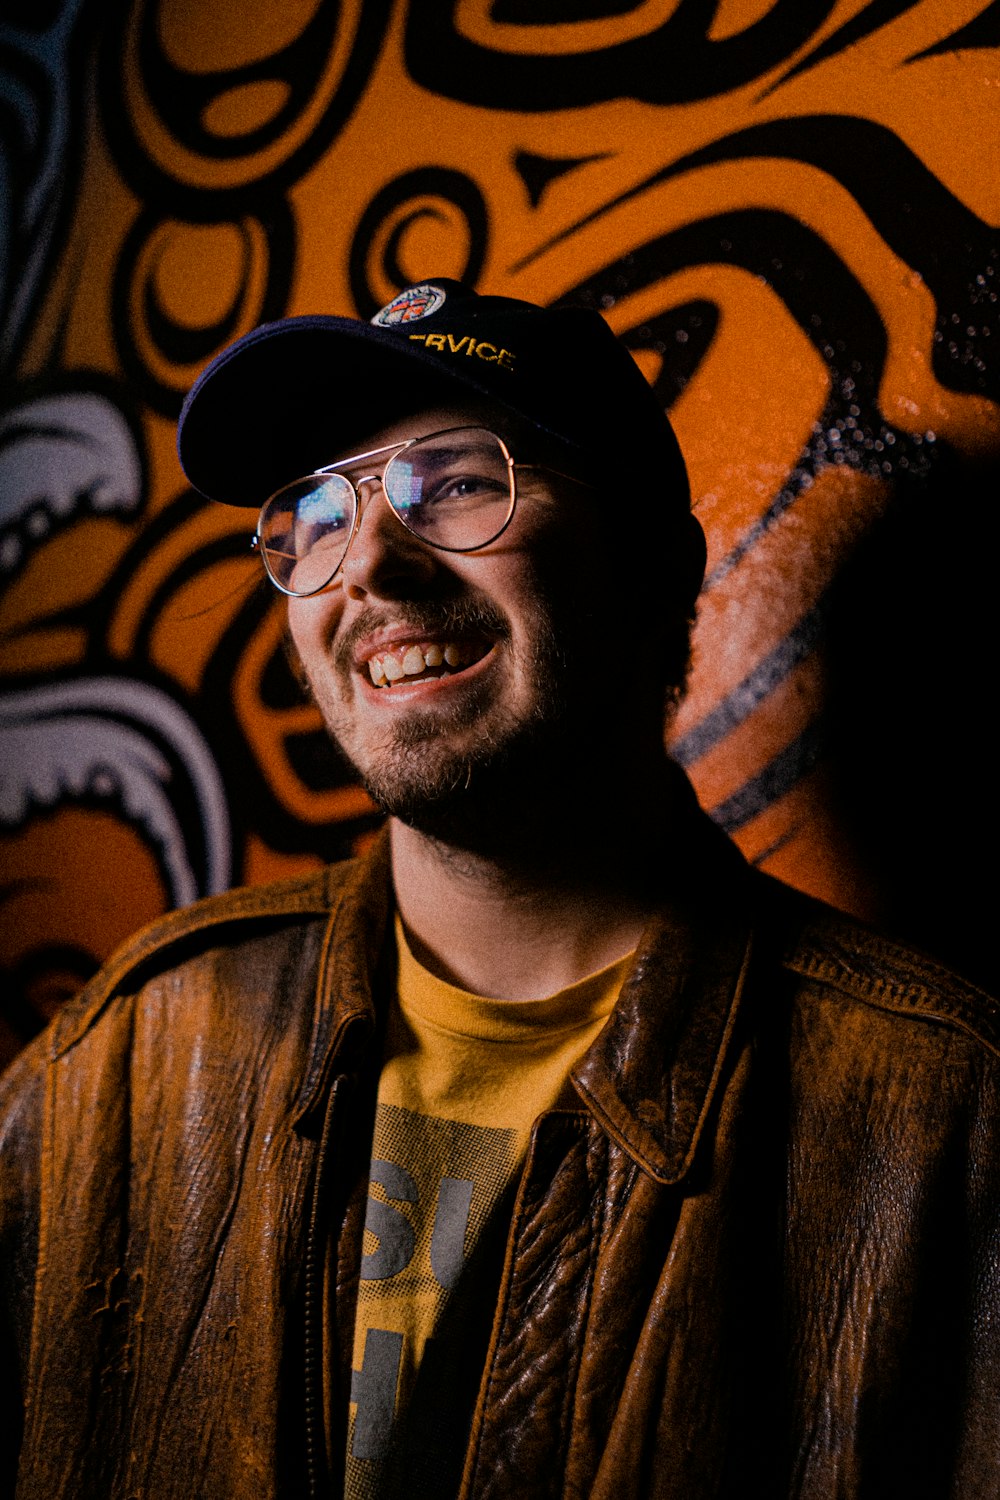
[566,891]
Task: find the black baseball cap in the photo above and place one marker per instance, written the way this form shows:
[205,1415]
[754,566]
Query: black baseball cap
[290,396]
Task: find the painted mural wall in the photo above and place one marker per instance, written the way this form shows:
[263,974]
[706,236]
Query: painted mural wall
[786,208]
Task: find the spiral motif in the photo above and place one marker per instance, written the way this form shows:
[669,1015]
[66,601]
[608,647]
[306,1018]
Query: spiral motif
[217,109]
[163,334]
[810,284]
[428,217]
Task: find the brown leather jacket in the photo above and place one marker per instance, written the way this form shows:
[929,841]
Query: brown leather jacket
[761,1258]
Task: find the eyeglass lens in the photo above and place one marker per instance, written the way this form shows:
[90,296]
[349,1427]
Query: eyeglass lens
[454,490]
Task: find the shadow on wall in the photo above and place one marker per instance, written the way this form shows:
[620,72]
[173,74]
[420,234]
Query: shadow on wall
[911,634]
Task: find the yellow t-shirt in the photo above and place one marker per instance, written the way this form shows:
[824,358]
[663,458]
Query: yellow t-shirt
[463,1080]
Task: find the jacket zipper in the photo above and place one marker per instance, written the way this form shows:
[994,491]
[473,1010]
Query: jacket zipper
[318,1477]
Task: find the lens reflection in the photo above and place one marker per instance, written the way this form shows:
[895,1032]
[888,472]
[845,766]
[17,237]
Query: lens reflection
[454,490]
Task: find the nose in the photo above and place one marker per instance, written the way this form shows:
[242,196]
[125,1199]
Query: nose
[384,559]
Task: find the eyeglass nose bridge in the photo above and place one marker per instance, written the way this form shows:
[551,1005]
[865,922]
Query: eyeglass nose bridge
[367,479]
[361,501]
[336,470]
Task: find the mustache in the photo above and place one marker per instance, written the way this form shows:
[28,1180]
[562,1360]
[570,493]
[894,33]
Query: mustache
[449,617]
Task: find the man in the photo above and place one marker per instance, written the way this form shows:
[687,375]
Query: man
[547,1150]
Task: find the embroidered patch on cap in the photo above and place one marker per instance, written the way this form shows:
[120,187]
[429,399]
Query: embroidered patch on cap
[415,302]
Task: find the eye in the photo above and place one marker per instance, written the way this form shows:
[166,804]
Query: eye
[464,485]
[321,511]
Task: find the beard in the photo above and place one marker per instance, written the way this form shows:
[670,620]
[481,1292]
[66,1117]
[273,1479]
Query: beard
[465,772]
[489,770]
[428,783]
[454,771]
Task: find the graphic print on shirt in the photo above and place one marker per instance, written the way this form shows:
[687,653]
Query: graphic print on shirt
[435,1229]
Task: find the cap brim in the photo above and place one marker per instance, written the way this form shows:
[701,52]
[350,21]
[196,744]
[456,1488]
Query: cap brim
[290,396]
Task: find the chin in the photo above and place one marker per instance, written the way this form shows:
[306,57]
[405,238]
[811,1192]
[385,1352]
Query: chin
[465,784]
[428,780]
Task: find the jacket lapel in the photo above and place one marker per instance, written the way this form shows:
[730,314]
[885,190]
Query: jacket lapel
[651,1076]
[344,1008]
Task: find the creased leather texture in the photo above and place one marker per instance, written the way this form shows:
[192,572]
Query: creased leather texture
[761,1258]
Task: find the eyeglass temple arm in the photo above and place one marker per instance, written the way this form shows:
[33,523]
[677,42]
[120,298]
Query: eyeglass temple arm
[587,484]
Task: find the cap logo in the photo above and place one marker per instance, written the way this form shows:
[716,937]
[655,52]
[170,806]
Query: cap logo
[415,302]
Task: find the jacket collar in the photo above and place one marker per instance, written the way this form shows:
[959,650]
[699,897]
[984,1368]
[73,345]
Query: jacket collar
[354,944]
[651,1075]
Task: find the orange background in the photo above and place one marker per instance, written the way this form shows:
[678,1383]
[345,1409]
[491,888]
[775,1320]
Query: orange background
[788,211]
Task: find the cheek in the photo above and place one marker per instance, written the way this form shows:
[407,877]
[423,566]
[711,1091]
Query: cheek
[310,625]
[566,583]
[567,552]
[309,631]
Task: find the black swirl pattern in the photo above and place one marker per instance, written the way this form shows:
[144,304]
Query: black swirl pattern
[956,252]
[832,310]
[155,346]
[183,101]
[217,154]
[42,101]
[870,18]
[677,62]
[448,197]
[982,31]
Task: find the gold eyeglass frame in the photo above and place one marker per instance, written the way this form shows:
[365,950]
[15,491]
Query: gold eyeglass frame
[395,449]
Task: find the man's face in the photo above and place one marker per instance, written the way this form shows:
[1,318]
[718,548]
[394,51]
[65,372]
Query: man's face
[448,674]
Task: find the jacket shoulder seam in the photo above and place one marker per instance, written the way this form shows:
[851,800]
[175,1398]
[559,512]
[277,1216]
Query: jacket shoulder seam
[908,985]
[155,946]
[818,942]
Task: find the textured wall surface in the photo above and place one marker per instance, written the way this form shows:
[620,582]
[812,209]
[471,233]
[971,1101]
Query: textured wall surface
[788,210]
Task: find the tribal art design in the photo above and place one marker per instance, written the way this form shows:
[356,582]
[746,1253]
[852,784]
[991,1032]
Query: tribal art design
[785,209]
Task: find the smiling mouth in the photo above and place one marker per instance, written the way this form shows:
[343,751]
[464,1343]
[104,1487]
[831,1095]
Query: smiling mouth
[418,661]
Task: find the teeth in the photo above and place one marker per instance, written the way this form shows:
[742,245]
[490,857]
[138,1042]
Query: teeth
[389,668]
